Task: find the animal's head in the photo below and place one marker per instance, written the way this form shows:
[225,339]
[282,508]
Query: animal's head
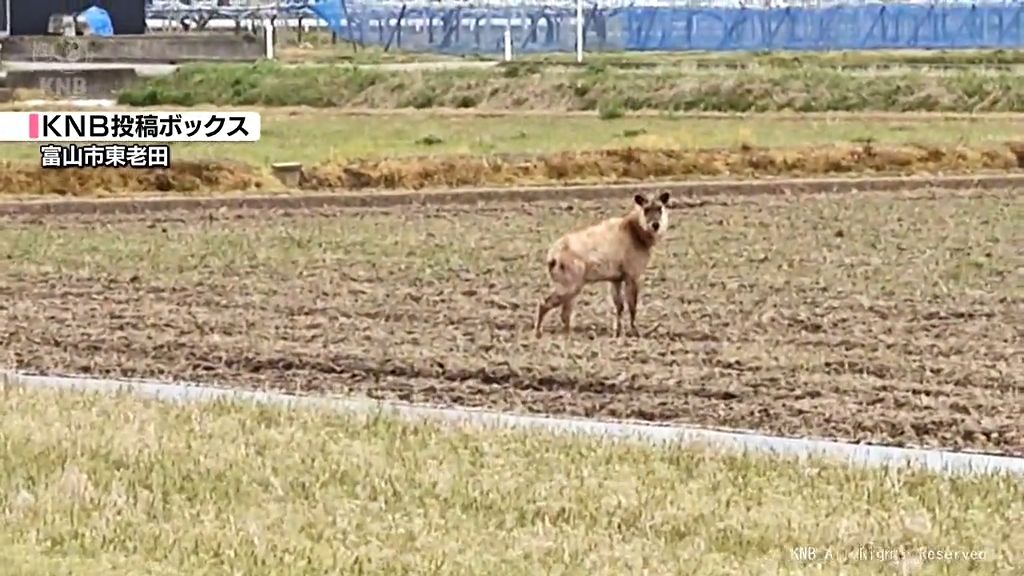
[653,213]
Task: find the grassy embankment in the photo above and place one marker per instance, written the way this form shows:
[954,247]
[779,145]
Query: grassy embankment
[342,150]
[317,48]
[145,488]
[610,89]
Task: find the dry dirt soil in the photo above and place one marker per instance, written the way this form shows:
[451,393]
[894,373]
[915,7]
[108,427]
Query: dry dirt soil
[886,318]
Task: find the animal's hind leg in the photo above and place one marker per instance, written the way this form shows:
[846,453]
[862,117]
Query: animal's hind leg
[632,289]
[556,299]
[616,290]
[568,280]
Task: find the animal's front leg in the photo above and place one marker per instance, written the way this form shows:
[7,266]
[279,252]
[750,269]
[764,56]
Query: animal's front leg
[616,291]
[567,306]
[632,287]
[549,304]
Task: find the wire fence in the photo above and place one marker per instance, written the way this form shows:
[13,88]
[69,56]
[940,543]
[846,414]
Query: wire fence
[535,26]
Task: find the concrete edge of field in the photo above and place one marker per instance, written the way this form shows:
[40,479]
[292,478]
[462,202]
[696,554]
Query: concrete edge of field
[443,111]
[440,197]
[868,455]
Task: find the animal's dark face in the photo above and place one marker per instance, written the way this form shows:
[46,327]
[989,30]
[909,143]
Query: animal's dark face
[653,214]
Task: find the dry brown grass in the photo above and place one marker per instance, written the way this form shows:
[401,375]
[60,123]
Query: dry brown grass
[183,177]
[588,166]
[636,164]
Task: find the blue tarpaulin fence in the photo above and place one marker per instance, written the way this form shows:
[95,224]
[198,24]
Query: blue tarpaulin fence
[835,28]
[850,27]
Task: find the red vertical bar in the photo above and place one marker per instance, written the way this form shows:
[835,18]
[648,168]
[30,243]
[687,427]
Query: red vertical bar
[33,126]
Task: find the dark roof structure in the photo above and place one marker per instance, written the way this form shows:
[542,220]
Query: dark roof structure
[32,17]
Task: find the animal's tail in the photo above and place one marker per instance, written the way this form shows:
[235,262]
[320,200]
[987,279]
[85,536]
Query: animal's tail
[556,265]
[561,263]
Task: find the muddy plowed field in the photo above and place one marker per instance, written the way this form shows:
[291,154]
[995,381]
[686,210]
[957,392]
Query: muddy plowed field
[873,317]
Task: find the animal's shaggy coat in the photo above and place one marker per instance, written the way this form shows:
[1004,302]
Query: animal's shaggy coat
[615,251]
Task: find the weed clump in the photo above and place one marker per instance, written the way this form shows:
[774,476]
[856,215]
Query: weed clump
[609,89]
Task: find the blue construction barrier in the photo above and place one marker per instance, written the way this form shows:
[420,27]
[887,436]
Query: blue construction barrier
[468,28]
[460,29]
[870,26]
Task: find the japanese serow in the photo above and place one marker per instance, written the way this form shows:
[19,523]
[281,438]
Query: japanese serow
[615,251]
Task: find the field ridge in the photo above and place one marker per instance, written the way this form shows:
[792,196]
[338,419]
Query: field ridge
[700,191]
[602,166]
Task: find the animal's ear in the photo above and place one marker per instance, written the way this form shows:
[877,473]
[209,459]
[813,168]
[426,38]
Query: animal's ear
[664,198]
[640,200]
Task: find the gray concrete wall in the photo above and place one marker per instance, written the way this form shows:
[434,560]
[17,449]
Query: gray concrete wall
[88,83]
[147,48]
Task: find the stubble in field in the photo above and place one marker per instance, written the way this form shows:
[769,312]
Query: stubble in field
[879,318]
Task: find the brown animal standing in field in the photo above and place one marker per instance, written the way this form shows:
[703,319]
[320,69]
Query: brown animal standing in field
[616,251]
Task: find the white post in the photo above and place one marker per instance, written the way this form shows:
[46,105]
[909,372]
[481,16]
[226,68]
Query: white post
[579,31]
[268,33]
[508,41]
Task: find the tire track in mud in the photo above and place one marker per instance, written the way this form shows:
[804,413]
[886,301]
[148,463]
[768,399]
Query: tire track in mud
[448,197]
